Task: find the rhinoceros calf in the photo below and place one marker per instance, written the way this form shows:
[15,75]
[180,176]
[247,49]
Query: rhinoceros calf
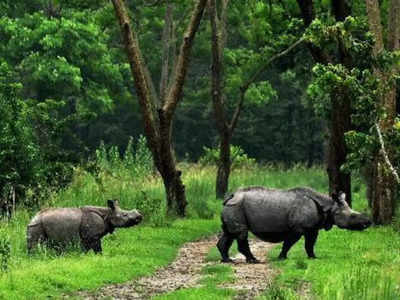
[282,216]
[87,224]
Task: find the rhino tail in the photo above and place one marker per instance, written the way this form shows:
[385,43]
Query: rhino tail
[223,225]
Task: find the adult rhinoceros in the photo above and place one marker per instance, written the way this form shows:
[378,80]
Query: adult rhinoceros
[87,224]
[283,216]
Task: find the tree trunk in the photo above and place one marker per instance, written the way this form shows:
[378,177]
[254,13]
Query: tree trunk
[218,37]
[382,186]
[224,168]
[158,126]
[340,123]
[339,181]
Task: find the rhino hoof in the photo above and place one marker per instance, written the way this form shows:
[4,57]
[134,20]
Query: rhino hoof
[253,261]
[282,257]
[227,260]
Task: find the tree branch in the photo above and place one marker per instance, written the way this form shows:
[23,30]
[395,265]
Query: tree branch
[216,68]
[385,155]
[254,76]
[166,41]
[394,25]
[308,14]
[155,3]
[138,71]
[175,92]
[245,86]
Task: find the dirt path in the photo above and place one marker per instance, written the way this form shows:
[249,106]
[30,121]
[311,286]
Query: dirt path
[251,279]
[185,272]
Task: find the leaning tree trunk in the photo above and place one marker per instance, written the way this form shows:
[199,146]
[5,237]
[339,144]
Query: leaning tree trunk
[174,187]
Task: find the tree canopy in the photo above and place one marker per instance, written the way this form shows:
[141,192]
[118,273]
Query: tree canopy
[66,87]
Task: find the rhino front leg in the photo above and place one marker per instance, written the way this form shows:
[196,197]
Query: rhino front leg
[288,243]
[96,246]
[311,238]
[92,244]
[223,245]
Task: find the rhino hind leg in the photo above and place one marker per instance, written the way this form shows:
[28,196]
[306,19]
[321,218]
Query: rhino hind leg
[223,245]
[244,248]
[288,243]
[311,238]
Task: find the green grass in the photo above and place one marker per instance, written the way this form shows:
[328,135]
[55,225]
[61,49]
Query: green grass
[347,257]
[127,254]
[213,275]
[204,293]
[350,265]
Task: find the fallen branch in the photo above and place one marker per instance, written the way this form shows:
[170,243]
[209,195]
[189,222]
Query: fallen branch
[385,155]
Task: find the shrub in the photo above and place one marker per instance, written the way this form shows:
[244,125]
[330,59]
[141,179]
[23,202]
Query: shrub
[137,162]
[238,157]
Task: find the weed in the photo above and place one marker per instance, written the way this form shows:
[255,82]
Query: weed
[277,292]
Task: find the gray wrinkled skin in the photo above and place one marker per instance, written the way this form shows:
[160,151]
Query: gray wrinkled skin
[87,224]
[283,216]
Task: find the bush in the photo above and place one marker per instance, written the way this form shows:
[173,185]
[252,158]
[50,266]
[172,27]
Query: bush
[238,157]
[5,251]
[20,159]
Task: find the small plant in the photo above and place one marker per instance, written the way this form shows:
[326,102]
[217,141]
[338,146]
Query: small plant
[143,159]
[238,157]
[277,292]
[5,251]
[301,264]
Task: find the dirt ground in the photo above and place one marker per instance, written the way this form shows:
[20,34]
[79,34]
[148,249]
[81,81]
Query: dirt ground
[185,272]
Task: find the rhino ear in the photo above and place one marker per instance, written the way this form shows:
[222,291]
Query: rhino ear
[111,204]
[342,196]
[342,199]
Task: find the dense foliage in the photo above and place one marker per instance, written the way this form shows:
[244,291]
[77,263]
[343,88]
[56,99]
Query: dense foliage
[66,88]
[66,85]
